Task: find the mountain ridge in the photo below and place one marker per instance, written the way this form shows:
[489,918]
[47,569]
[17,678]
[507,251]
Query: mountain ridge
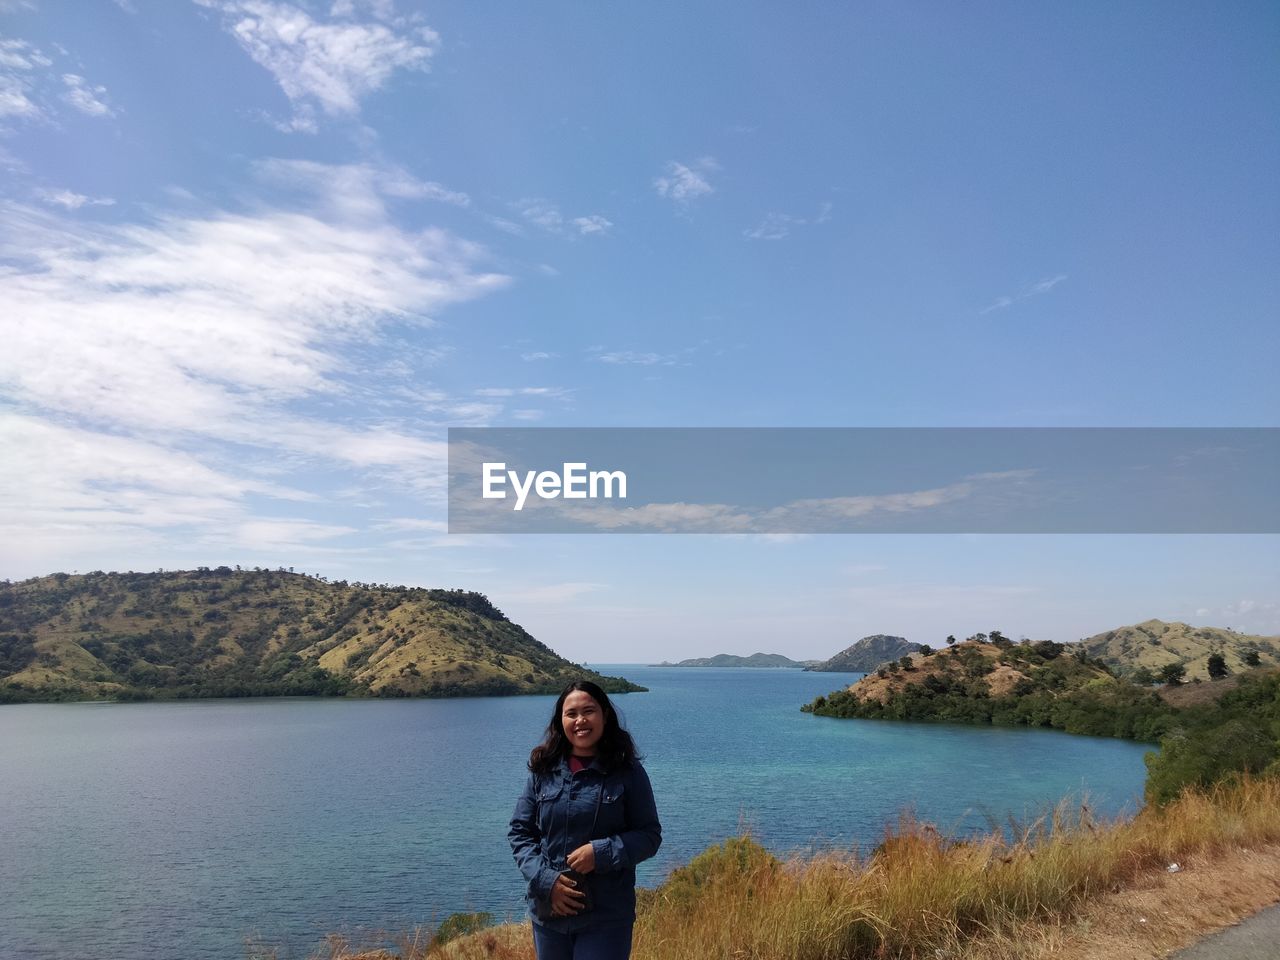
[224,632]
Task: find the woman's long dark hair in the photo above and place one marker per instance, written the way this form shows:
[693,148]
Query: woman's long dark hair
[615,748]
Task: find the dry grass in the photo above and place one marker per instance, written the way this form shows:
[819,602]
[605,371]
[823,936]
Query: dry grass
[920,895]
[1159,912]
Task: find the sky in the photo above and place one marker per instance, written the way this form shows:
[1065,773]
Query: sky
[257,257]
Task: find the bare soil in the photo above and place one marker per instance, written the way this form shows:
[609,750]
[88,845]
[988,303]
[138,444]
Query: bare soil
[1159,913]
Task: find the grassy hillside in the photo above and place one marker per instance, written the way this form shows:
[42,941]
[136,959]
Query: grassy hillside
[226,632]
[1155,644]
[1042,684]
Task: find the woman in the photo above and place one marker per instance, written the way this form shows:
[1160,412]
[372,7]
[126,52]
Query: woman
[584,821]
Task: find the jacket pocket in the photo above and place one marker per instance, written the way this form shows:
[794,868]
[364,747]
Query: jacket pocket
[547,797]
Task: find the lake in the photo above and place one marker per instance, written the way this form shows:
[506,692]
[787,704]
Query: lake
[158,830]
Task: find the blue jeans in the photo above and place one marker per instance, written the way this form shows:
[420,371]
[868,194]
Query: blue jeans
[612,942]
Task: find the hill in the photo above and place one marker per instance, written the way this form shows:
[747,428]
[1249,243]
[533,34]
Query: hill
[733,660]
[867,654]
[224,632]
[1154,644]
[1035,684]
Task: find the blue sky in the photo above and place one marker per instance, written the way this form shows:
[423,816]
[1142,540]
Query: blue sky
[258,256]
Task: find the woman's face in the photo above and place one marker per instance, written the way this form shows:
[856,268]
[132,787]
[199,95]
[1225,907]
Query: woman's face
[583,722]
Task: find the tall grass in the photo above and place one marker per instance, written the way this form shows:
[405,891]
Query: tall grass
[918,894]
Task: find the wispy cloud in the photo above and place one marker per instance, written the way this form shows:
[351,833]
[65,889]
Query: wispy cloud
[592,224]
[550,392]
[546,214]
[20,65]
[31,88]
[1031,290]
[327,65]
[639,358]
[356,190]
[217,325]
[67,490]
[86,97]
[536,355]
[71,200]
[774,226]
[778,226]
[814,515]
[684,183]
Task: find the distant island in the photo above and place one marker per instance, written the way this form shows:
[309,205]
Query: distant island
[867,654]
[732,660]
[237,633]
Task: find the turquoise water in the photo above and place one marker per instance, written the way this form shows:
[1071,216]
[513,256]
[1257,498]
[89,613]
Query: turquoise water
[179,830]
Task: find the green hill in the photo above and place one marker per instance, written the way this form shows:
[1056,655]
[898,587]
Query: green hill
[1042,684]
[1154,644]
[223,632]
[867,654]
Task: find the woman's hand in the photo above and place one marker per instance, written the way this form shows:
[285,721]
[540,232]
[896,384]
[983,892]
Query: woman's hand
[583,859]
[566,899]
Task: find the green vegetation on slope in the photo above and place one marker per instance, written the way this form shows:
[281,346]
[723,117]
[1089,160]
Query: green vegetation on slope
[867,654]
[1146,648]
[1029,684]
[1047,684]
[231,633]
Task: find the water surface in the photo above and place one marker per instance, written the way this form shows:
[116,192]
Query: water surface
[158,830]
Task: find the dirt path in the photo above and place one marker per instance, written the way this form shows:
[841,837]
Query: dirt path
[1159,914]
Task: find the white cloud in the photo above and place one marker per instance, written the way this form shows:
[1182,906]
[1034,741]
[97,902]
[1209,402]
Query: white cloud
[528,415]
[623,357]
[14,101]
[277,534]
[29,89]
[546,215]
[85,97]
[592,224]
[413,524]
[537,355]
[825,515]
[72,200]
[551,392]
[774,226]
[639,358]
[66,491]
[1030,290]
[19,63]
[683,183]
[21,55]
[541,213]
[214,325]
[506,226]
[356,190]
[331,65]
[165,368]
[778,226]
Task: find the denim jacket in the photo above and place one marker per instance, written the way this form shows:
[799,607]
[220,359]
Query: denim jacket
[554,816]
